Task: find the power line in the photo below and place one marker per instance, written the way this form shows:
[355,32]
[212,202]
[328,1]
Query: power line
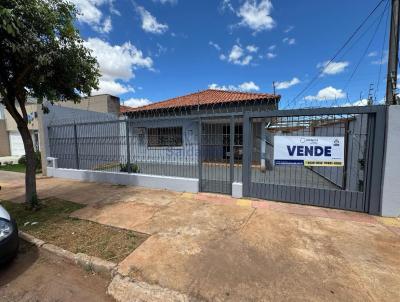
[354,42]
[339,51]
[367,48]
[370,26]
[382,55]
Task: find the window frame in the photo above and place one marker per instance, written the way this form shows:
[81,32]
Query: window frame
[157,140]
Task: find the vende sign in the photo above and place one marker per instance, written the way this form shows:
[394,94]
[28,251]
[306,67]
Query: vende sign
[309,150]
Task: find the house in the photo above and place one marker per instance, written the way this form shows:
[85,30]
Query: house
[169,138]
[11,141]
[168,124]
[210,101]
[226,142]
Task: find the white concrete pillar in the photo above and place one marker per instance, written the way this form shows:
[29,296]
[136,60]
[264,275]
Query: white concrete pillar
[237,190]
[391,173]
[263,146]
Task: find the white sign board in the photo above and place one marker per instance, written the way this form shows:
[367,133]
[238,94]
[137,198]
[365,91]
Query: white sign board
[309,151]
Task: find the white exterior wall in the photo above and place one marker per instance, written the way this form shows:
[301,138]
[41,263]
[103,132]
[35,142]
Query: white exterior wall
[178,184]
[391,176]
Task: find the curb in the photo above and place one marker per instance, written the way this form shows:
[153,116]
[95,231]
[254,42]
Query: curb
[88,263]
[124,289]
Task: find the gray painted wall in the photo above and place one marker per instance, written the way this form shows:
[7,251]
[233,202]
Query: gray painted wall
[391,178]
[141,152]
[62,115]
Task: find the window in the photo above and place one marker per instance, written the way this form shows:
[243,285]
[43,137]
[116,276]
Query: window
[164,137]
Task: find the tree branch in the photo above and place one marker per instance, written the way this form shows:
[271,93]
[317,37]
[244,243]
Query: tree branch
[11,108]
[21,76]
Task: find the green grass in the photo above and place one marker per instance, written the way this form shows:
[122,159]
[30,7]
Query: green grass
[52,224]
[15,168]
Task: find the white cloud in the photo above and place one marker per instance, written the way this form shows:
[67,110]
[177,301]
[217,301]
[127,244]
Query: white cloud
[272,47]
[271,55]
[327,94]
[373,54]
[287,84]
[256,15]
[245,86]
[252,48]
[289,29]
[381,61]
[150,23]
[237,56]
[249,86]
[215,45]
[91,14]
[226,4]
[246,61]
[107,86]
[117,62]
[172,2]
[136,102]
[236,53]
[107,25]
[363,102]
[333,67]
[289,41]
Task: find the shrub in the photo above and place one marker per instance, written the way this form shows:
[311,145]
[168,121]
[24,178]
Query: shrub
[134,168]
[38,160]
[22,160]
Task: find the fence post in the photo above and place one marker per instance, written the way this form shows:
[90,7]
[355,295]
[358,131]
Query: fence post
[232,150]
[128,148]
[199,156]
[76,147]
[247,149]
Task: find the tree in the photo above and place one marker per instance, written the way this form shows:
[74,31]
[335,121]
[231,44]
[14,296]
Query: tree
[42,56]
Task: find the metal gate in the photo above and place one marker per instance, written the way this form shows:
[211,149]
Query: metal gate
[355,186]
[220,153]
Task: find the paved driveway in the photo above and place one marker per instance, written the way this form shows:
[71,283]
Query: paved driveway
[216,248]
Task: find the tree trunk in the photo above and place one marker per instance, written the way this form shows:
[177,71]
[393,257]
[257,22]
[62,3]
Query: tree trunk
[30,174]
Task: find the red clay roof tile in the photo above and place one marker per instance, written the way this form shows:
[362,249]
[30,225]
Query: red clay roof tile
[206,97]
[123,109]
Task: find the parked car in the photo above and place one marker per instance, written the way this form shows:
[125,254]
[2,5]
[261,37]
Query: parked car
[9,240]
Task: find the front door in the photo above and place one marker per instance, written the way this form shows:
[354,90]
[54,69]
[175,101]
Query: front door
[221,154]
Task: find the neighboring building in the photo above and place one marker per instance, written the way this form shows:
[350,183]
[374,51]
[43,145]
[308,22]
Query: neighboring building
[4,141]
[11,141]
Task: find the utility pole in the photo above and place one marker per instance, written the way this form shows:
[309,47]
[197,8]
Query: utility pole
[370,97]
[393,54]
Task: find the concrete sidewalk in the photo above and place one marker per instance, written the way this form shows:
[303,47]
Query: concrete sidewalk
[215,248]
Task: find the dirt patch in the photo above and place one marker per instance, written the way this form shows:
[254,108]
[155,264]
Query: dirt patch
[39,276]
[53,224]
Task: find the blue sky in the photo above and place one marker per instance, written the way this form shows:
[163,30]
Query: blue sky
[157,49]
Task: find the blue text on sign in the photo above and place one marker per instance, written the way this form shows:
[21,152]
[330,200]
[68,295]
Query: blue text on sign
[309,150]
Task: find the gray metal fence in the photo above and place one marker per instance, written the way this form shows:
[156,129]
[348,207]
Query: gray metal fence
[220,150]
[167,148]
[354,186]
